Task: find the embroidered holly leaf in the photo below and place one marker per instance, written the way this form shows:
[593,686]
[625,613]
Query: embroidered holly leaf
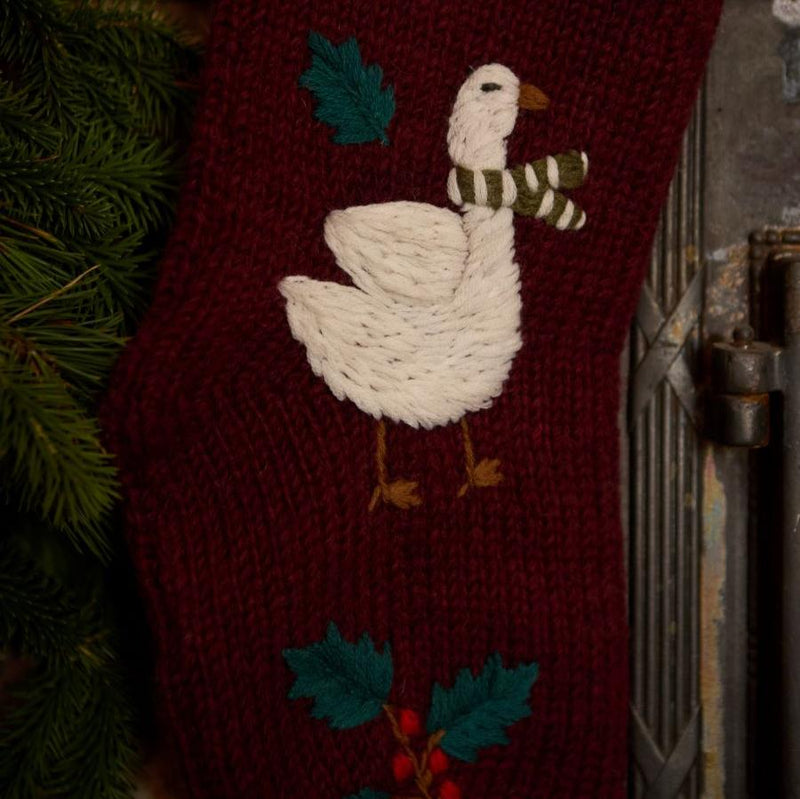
[349,683]
[476,710]
[368,793]
[348,93]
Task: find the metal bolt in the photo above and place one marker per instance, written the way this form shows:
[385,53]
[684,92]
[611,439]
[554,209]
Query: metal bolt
[743,336]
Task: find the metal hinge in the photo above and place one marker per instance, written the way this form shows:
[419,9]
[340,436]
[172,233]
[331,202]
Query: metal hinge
[753,383]
[745,372]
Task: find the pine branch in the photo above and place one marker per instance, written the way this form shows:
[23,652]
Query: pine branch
[84,353]
[29,736]
[22,123]
[35,617]
[35,306]
[98,759]
[154,65]
[99,180]
[51,449]
[47,193]
[91,97]
[127,272]
[29,27]
[65,730]
[138,178]
[121,63]
[32,262]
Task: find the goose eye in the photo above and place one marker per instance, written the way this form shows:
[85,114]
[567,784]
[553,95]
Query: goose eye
[490,87]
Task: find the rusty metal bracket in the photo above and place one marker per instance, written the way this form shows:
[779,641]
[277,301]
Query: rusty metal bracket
[746,375]
[745,372]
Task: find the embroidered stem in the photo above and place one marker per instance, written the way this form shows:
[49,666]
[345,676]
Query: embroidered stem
[423,777]
[380,455]
[380,462]
[484,474]
[469,450]
[469,458]
[433,741]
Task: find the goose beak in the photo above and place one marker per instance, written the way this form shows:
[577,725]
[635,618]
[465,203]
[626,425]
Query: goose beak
[532,98]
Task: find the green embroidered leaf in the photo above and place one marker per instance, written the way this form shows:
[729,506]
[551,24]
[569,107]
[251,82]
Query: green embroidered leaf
[368,793]
[476,710]
[348,682]
[348,93]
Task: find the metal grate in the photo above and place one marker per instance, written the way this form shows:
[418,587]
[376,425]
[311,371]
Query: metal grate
[665,495]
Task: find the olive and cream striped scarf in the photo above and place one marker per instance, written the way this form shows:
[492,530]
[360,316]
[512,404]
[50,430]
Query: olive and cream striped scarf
[528,189]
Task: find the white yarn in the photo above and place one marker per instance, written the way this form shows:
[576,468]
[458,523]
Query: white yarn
[552,172]
[566,215]
[453,192]
[404,251]
[482,121]
[547,203]
[531,179]
[481,190]
[422,365]
[432,326]
[787,11]
[509,189]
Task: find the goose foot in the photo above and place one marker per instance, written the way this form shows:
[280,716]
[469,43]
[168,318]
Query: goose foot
[484,475]
[400,493]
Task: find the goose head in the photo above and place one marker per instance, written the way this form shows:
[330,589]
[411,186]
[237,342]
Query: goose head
[485,113]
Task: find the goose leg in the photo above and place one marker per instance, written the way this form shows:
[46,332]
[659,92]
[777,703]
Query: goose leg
[484,474]
[400,493]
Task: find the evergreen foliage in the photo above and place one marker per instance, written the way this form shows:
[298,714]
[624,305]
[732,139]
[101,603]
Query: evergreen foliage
[94,99]
[66,729]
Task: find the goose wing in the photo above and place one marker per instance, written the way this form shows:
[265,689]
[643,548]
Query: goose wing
[361,347]
[405,251]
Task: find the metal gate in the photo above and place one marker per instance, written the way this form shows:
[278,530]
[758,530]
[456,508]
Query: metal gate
[714,560]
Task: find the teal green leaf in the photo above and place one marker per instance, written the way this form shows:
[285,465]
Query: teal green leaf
[368,793]
[348,93]
[349,683]
[476,710]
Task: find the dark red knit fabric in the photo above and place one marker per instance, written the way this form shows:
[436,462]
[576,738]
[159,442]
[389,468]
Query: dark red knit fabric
[247,483]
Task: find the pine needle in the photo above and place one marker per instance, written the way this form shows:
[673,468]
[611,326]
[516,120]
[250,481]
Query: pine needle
[93,97]
[50,297]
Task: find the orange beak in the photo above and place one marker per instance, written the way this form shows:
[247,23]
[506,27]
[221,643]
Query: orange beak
[532,98]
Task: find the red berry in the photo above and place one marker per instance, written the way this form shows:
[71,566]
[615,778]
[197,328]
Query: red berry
[438,761]
[402,767]
[449,790]
[410,722]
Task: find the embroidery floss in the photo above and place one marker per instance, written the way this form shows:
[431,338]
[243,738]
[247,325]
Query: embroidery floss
[430,330]
[349,94]
[529,189]
[350,684]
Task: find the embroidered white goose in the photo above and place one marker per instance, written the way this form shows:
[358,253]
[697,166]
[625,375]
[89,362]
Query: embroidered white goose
[431,328]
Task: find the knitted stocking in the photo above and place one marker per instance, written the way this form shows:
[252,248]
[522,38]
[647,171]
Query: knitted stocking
[325,627]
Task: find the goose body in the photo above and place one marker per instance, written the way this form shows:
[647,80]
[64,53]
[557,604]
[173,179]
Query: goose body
[430,328]
[420,352]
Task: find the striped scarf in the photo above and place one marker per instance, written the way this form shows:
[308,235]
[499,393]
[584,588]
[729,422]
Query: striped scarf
[529,189]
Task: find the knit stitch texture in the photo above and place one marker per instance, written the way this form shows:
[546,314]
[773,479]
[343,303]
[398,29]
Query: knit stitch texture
[247,482]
